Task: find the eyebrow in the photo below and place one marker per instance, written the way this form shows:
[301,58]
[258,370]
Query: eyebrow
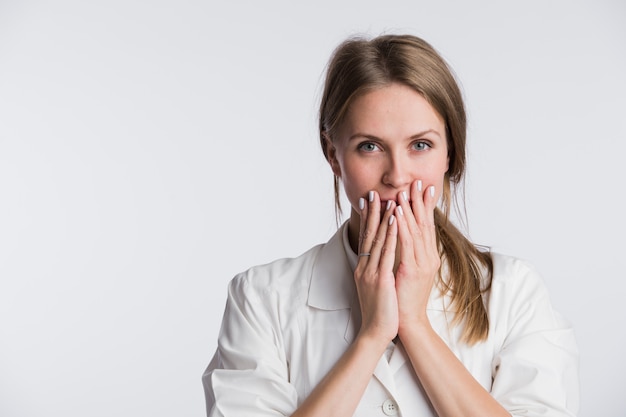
[373,137]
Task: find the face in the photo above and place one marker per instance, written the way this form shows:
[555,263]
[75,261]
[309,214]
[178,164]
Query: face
[390,137]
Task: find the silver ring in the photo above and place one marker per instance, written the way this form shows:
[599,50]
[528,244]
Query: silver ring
[365,254]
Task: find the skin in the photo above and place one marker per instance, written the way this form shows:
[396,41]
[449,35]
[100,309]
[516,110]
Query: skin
[391,155]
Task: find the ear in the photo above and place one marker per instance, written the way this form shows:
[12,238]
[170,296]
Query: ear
[331,155]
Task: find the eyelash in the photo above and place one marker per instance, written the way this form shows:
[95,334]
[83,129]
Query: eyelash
[421,142]
[425,145]
[364,144]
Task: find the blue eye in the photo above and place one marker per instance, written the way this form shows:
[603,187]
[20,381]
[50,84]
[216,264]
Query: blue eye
[421,146]
[368,147]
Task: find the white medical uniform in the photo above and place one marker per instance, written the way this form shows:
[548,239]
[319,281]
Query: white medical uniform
[287,323]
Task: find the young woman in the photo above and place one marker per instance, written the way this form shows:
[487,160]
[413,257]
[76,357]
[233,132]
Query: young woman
[398,313]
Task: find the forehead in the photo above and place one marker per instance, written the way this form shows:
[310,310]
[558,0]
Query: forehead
[392,110]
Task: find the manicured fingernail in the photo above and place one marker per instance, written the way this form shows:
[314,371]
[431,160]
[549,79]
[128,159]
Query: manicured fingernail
[371,196]
[388,204]
[400,212]
[391,219]
[432,190]
[361,203]
[419,185]
[406,197]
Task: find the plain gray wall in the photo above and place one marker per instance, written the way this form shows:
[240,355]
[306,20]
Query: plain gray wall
[150,150]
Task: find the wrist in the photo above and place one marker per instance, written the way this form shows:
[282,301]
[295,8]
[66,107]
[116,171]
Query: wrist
[372,343]
[415,328]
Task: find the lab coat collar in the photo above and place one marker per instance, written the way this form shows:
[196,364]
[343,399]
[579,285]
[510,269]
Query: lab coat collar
[332,288]
[332,285]
[385,370]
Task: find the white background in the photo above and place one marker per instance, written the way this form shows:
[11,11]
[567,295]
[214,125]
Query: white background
[150,150]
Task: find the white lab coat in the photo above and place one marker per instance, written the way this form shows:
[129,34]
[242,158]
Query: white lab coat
[287,323]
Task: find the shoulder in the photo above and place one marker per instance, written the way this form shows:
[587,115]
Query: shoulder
[517,289]
[535,357]
[319,265]
[279,276]
[268,296]
[515,274]
[518,297]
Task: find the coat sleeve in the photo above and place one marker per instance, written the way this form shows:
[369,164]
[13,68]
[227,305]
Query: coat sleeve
[249,373]
[535,373]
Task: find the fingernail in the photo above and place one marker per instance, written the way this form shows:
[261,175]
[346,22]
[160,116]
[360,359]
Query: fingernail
[400,212]
[388,204]
[391,219]
[361,203]
[432,190]
[419,185]
[371,196]
[406,198]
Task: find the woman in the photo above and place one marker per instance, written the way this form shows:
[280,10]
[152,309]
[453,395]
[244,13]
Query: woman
[398,313]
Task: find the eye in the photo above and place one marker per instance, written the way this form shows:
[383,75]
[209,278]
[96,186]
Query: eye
[421,146]
[368,147]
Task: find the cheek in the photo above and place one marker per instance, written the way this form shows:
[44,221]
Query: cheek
[435,176]
[356,183]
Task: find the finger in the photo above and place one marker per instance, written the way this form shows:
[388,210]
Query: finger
[417,201]
[362,222]
[370,219]
[427,217]
[405,236]
[430,202]
[421,223]
[423,203]
[379,244]
[410,217]
[388,251]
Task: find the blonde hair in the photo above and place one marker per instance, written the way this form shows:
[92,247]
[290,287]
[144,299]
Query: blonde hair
[359,66]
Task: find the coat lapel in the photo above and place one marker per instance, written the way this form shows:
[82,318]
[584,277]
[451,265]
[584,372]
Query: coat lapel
[332,288]
[332,284]
[384,374]
[398,358]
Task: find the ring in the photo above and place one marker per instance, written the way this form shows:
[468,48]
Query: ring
[365,254]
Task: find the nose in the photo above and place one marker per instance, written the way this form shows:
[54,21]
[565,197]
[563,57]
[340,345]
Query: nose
[397,173]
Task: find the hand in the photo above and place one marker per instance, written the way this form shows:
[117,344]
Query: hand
[373,274]
[419,259]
